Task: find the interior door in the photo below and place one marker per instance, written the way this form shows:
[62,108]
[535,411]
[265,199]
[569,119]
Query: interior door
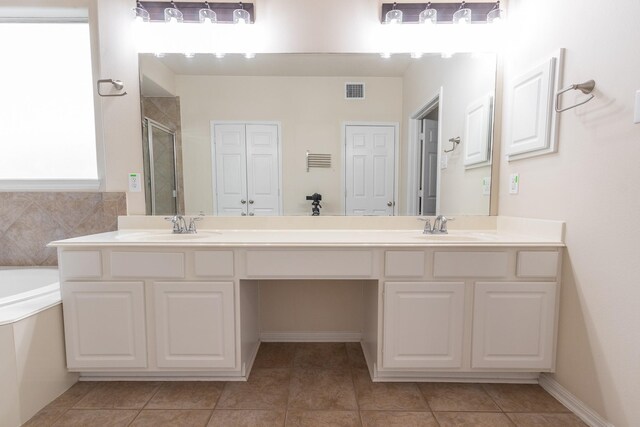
[369,170]
[262,170]
[430,170]
[230,169]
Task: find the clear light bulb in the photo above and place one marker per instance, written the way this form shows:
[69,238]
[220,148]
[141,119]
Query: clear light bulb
[241,16]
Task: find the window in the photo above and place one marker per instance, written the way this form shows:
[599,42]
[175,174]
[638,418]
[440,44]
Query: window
[47,131]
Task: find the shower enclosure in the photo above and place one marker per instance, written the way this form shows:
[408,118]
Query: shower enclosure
[159,150]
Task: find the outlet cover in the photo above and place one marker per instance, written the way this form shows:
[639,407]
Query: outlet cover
[486,186]
[135,182]
[514,183]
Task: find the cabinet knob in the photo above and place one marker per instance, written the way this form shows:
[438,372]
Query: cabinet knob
[243,201]
[250,202]
[251,213]
[243,214]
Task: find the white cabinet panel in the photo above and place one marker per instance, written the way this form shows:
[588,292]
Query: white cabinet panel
[404,263]
[195,324]
[80,264]
[537,264]
[423,325]
[329,263]
[513,325]
[104,325]
[477,134]
[147,264]
[471,264]
[213,263]
[530,110]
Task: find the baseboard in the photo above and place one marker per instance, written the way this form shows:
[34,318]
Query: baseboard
[577,406]
[456,377]
[310,336]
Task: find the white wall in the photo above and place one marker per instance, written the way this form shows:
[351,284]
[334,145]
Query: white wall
[311,111]
[592,184]
[464,79]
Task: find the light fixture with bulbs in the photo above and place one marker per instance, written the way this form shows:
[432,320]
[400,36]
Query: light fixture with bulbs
[440,13]
[495,15]
[394,16]
[206,15]
[203,12]
[173,15]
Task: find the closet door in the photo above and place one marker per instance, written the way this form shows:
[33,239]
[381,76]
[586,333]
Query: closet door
[262,170]
[230,169]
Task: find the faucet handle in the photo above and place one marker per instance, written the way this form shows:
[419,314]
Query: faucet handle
[176,222]
[427,225]
[443,223]
[192,223]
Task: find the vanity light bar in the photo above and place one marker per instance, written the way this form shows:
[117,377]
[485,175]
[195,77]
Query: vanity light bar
[411,11]
[191,10]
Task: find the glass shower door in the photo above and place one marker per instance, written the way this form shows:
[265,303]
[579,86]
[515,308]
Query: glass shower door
[160,162]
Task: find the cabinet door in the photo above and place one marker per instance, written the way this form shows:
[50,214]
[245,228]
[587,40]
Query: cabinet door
[195,324]
[423,325]
[513,325]
[104,324]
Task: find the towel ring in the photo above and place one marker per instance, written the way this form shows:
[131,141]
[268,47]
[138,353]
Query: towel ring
[455,142]
[586,88]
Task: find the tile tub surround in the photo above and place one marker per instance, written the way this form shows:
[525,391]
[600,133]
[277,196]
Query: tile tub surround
[305,384]
[31,220]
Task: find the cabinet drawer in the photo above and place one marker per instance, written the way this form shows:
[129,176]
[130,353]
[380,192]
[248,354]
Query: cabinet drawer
[147,264]
[309,263]
[77,264]
[537,264]
[213,263]
[404,263]
[471,264]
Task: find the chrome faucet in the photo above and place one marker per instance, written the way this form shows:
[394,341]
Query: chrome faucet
[439,225]
[180,224]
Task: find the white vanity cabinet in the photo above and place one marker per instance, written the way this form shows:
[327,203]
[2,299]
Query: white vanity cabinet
[194,324]
[513,325]
[423,324]
[105,325]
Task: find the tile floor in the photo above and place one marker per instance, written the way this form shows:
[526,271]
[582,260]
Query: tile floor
[310,384]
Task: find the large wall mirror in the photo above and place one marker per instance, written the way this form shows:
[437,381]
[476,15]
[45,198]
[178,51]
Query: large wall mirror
[371,135]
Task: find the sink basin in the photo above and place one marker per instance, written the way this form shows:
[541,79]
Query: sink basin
[168,236]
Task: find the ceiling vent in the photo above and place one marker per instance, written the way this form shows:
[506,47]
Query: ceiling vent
[354,90]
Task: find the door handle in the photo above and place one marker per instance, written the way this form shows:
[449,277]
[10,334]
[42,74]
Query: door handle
[243,201]
[389,204]
[250,202]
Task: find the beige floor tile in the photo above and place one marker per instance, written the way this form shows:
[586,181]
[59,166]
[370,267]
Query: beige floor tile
[523,398]
[546,420]
[172,418]
[118,395]
[186,395]
[322,418]
[266,389]
[322,389]
[73,395]
[472,419]
[386,395]
[275,355]
[96,418]
[397,419]
[321,355]
[246,418]
[457,397]
[355,355]
[46,417]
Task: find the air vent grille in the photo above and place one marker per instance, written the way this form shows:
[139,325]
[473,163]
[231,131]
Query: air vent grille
[354,90]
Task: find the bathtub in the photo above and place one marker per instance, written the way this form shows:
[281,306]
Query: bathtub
[32,357]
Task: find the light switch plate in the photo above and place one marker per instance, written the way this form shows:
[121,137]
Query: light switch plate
[636,113]
[514,183]
[486,186]
[135,182]
[444,161]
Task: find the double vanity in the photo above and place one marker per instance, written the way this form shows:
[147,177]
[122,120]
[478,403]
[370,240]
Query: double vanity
[477,304]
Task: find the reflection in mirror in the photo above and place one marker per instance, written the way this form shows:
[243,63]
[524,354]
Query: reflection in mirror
[372,136]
